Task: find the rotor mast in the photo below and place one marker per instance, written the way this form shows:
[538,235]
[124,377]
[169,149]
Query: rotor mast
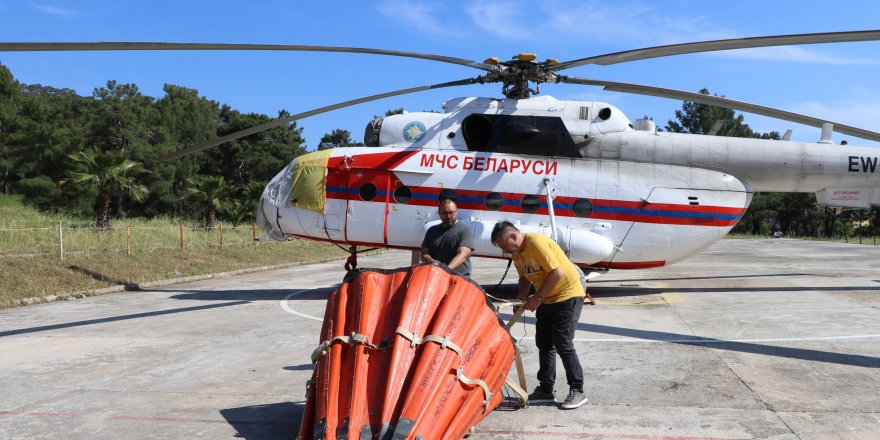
[515,75]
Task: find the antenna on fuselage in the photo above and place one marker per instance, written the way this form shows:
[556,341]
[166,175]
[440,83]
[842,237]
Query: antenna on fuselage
[827,129]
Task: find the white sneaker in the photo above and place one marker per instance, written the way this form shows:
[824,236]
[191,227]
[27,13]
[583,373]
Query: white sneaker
[575,399]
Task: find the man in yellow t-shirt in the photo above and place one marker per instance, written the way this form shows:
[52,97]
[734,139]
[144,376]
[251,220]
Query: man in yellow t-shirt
[557,302]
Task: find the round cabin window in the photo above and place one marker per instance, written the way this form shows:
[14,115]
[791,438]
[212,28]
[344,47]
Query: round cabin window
[494,201]
[368,192]
[447,194]
[530,203]
[582,207]
[402,194]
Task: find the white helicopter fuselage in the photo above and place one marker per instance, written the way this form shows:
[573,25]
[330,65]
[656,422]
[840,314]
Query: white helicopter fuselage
[621,198]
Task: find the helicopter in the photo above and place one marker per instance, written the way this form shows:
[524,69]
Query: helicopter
[613,192]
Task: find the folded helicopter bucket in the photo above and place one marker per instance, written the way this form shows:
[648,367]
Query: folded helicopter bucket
[410,353]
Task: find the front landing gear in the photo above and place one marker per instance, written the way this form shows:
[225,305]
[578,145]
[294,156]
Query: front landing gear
[352,261]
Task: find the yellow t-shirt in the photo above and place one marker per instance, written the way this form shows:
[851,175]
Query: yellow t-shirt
[541,256]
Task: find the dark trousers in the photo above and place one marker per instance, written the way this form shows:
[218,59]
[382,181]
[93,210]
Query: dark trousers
[554,334]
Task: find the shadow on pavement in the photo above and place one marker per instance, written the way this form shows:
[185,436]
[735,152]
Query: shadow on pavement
[249,295]
[49,327]
[274,421]
[721,344]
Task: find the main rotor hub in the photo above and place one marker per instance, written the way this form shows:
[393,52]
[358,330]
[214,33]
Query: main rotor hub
[515,75]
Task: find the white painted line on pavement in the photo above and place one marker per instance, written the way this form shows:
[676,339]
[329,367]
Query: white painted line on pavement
[286,307]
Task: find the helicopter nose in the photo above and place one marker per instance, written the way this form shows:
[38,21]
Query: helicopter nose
[271,202]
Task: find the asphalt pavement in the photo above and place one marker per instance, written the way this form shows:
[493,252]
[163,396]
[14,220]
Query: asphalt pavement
[751,339]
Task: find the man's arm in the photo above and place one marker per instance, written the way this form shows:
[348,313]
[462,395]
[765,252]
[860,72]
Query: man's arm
[426,256]
[549,283]
[463,253]
[522,290]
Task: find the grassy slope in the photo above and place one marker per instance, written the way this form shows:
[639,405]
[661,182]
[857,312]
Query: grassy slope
[95,268]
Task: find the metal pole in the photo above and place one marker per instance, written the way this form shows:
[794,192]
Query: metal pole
[181,235]
[221,235]
[129,239]
[550,209]
[61,239]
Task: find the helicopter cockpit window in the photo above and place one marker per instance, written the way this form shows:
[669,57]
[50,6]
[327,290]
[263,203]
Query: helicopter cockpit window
[477,130]
[447,194]
[494,201]
[402,194]
[518,134]
[582,207]
[368,192]
[530,203]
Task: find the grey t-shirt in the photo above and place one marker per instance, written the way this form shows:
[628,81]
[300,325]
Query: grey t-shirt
[442,244]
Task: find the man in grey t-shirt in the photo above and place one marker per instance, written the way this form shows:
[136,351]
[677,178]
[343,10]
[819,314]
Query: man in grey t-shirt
[451,242]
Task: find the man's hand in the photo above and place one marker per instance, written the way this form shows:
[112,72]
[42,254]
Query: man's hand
[532,303]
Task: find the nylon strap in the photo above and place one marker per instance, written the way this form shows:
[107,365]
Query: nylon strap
[414,339]
[464,379]
[353,339]
[444,342]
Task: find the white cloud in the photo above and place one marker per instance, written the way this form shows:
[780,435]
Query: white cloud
[631,24]
[795,54]
[501,19]
[861,114]
[422,17]
[578,21]
[858,114]
[55,11]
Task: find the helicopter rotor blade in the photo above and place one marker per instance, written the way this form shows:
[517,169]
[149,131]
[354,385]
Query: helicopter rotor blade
[722,102]
[282,121]
[716,45]
[129,46]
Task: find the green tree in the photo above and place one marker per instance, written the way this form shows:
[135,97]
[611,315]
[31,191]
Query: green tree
[107,172]
[257,157]
[210,193]
[238,212]
[52,124]
[122,118]
[699,118]
[10,123]
[761,216]
[337,138]
[122,121]
[182,118]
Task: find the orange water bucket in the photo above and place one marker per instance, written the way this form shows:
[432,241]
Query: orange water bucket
[410,353]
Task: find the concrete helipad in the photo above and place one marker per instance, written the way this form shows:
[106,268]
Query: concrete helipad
[751,339]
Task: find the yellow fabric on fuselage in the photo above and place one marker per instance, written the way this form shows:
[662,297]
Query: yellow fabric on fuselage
[307,181]
[541,256]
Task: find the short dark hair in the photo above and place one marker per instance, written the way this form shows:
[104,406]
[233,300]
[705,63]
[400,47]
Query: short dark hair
[500,228]
[445,201]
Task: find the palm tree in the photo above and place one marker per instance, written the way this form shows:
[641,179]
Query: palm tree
[211,193]
[108,172]
[239,212]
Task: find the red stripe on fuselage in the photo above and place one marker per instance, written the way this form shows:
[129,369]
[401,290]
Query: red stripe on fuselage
[631,264]
[641,215]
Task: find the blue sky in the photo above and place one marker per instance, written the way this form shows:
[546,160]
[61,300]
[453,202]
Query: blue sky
[833,81]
